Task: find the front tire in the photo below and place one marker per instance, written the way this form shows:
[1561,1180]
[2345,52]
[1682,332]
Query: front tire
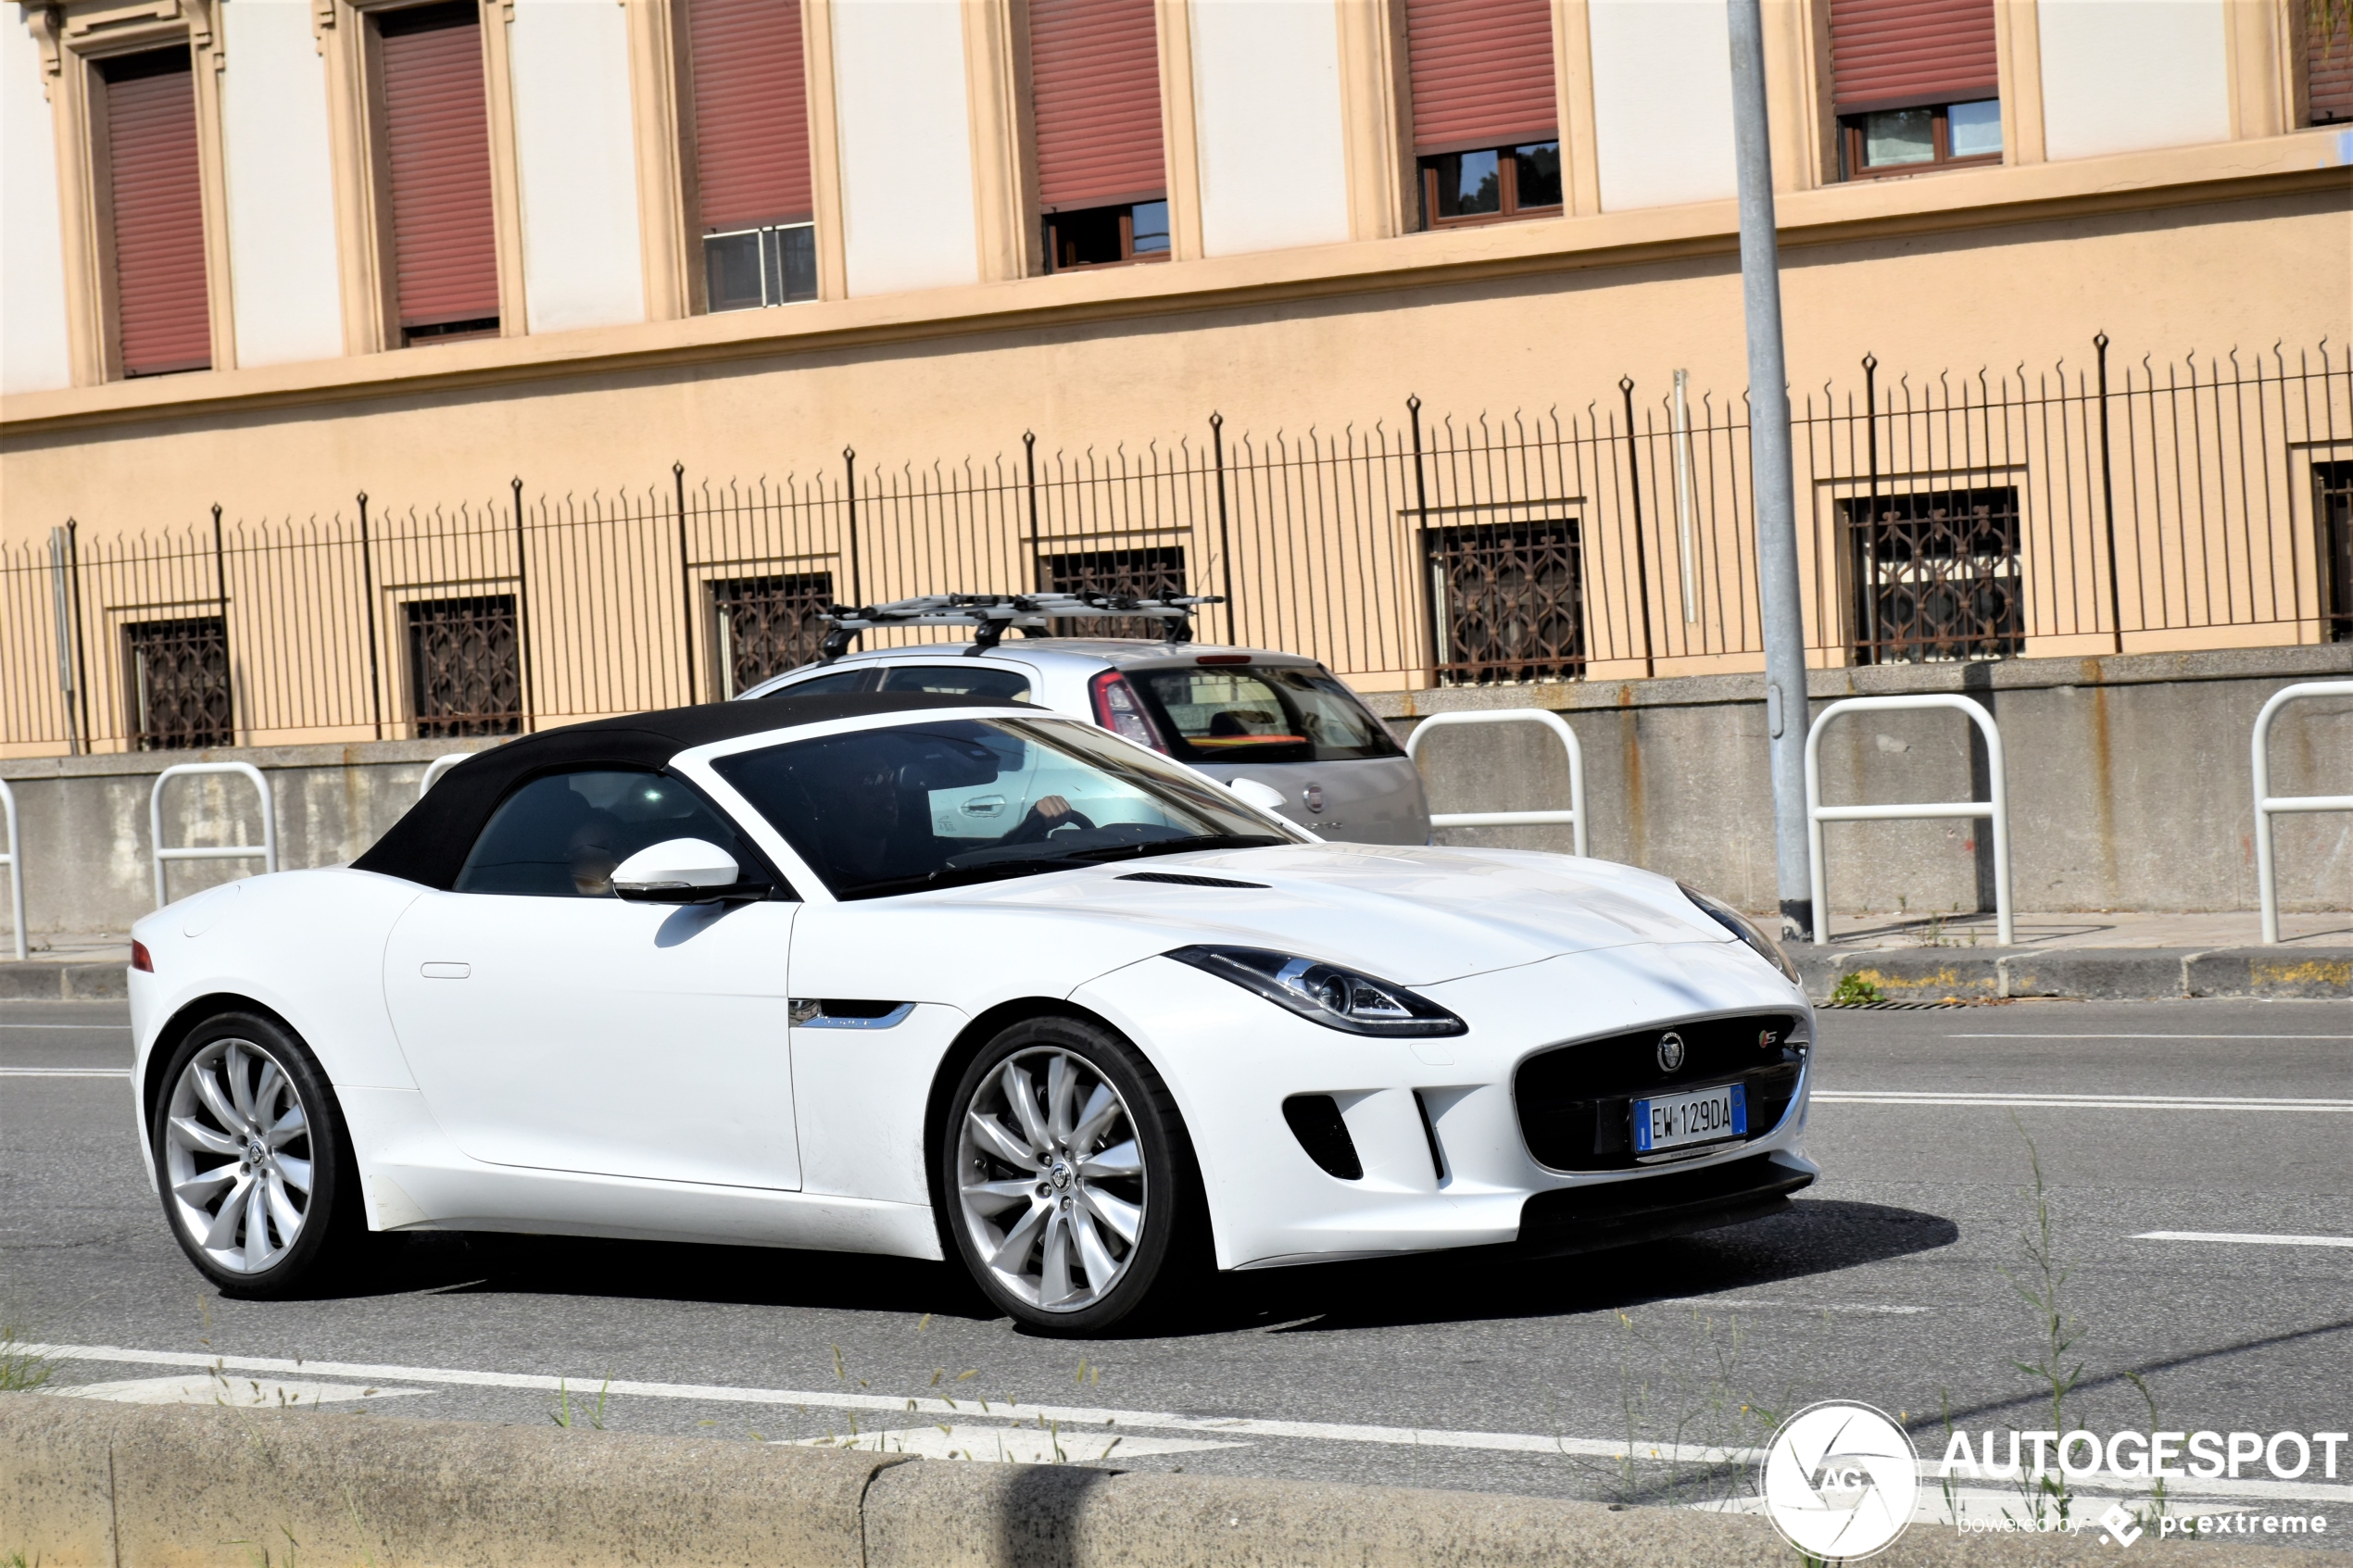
[258,1180]
[1066,1177]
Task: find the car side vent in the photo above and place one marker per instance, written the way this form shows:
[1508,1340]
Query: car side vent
[1183,881]
[1315,1121]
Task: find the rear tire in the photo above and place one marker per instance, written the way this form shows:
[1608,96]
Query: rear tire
[255,1165]
[1066,1179]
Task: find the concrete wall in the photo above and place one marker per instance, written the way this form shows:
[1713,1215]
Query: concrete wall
[2128,781]
[32,264]
[1273,172]
[1658,147]
[2119,75]
[906,145]
[577,166]
[2128,778]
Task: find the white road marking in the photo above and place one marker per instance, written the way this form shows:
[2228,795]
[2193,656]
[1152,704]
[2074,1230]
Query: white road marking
[119,1028]
[1066,1417]
[64,1072]
[2248,1237]
[2079,1102]
[242,1392]
[1792,1306]
[2145,1037]
[1011,1445]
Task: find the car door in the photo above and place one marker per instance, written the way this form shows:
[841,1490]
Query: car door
[551,1024]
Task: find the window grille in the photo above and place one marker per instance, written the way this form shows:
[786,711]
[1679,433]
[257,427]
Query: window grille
[1936,576]
[465,673]
[180,683]
[1146,572]
[1506,602]
[767,625]
[2332,509]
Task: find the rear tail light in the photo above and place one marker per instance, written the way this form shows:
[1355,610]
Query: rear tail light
[1118,710]
[141,959]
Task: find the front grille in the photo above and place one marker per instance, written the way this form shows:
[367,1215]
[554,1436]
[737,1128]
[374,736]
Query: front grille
[1576,1103]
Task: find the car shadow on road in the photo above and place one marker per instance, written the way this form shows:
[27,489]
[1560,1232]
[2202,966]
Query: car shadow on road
[1813,1236]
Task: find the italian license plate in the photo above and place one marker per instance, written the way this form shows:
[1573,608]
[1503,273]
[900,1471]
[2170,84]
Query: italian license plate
[1706,1116]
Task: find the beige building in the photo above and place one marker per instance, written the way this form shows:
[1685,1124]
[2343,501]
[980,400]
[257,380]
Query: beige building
[268,255]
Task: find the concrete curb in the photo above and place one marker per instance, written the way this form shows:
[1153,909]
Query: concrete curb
[131,1487]
[49,980]
[2101,974]
[2083,974]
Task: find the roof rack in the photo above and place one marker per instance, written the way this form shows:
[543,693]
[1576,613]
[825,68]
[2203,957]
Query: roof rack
[989,616]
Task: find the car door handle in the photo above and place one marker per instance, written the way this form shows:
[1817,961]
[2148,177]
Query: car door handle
[446,970]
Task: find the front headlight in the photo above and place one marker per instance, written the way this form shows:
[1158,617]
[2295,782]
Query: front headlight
[1745,929]
[1325,993]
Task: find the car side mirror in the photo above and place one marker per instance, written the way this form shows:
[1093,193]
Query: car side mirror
[1267,797]
[680,871]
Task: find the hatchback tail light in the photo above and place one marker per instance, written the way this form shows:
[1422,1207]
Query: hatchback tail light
[1120,710]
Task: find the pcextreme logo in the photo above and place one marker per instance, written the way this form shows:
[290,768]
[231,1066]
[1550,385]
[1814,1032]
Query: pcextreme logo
[1841,1480]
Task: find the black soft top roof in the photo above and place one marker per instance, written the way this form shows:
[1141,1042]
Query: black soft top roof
[429,845]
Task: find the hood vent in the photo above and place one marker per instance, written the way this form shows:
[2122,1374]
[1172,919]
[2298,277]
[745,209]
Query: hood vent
[1182,881]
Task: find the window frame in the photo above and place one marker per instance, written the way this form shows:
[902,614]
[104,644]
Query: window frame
[1507,180]
[1128,255]
[73,41]
[1852,169]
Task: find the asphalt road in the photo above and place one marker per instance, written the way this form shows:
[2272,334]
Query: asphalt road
[1886,1283]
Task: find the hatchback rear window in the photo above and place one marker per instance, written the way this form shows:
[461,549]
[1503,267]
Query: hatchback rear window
[1261,713]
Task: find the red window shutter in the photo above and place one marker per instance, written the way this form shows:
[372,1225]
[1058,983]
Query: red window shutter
[1900,54]
[1094,94]
[162,310]
[1482,73]
[2328,72]
[444,240]
[751,113]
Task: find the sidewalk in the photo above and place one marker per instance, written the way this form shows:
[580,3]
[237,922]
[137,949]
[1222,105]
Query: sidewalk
[2106,957]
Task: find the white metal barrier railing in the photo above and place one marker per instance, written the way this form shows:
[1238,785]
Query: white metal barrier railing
[14,860]
[1574,816]
[266,851]
[2266,803]
[437,766]
[1998,809]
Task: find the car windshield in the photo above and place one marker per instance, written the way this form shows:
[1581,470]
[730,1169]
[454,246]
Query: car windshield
[920,806]
[1261,713]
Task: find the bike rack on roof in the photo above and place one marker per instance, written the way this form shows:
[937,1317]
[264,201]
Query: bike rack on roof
[989,616]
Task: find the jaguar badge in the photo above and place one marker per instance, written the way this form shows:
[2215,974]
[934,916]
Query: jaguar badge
[1670,1052]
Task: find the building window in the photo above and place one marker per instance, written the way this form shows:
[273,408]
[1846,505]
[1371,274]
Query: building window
[1146,572]
[1499,182]
[1936,576]
[767,625]
[753,201]
[1912,140]
[1105,236]
[2332,509]
[436,161]
[163,315]
[179,673]
[1917,87]
[1506,602]
[2328,66]
[1094,104]
[465,670]
[1486,119]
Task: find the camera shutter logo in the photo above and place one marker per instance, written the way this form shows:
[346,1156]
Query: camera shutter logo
[1841,1480]
[1670,1051]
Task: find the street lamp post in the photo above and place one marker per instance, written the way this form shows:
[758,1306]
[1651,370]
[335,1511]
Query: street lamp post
[1785,708]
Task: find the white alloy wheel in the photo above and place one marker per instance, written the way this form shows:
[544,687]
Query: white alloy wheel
[239,1156]
[1051,1179]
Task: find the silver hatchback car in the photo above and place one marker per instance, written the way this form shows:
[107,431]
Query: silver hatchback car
[1276,719]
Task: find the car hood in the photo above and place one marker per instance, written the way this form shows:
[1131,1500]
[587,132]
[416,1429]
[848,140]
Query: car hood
[1413,914]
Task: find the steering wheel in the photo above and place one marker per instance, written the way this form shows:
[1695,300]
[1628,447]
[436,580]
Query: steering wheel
[1037,829]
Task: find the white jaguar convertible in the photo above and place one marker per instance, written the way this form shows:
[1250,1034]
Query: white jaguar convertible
[903,974]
